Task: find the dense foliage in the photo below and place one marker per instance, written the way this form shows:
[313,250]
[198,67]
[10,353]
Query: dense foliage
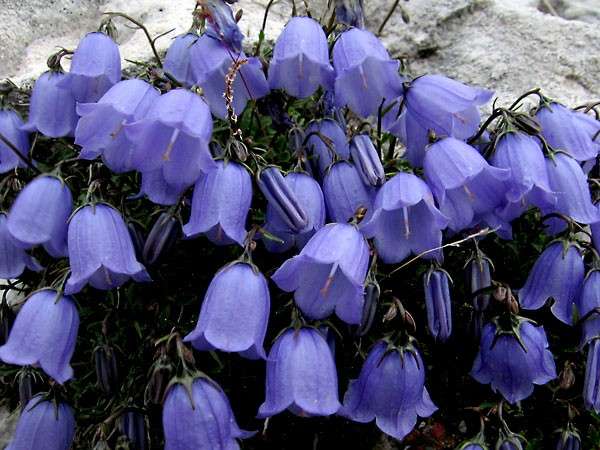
[296,242]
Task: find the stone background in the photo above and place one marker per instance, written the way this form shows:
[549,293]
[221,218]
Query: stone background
[506,45]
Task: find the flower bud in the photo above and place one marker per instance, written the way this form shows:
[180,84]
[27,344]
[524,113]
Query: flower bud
[568,439]
[566,377]
[367,160]
[372,292]
[350,12]
[106,369]
[132,425]
[26,383]
[479,277]
[281,197]
[161,238]
[438,303]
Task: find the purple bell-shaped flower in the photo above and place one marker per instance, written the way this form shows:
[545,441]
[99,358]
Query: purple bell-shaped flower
[588,307]
[44,424]
[434,103]
[528,184]
[95,67]
[173,136]
[366,76]
[158,190]
[558,274]
[325,139]
[345,193]
[51,107]
[568,131]
[40,213]
[178,60]
[100,130]
[200,417]
[221,23]
[234,313]
[301,375]
[436,285]
[390,389]
[11,127]
[513,357]
[466,187]
[13,258]
[220,204]
[405,220]
[329,274]
[310,197]
[300,62]
[101,251]
[367,160]
[211,61]
[591,382]
[44,334]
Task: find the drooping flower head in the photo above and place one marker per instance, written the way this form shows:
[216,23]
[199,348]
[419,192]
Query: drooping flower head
[365,73]
[220,204]
[101,251]
[222,24]
[300,62]
[11,127]
[325,140]
[568,439]
[301,375]
[438,104]
[132,426]
[310,197]
[39,215]
[162,236]
[329,273]
[558,274]
[174,137]
[13,258]
[465,186]
[569,131]
[178,60]
[200,418]
[345,193]
[51,107]
[513,357]
[436,285]
[367,160]
[211,61]
[234,313]
[95,67]
[44,424]
[390,389]
[44,334]
[100,130]
[405,220]
[528,184]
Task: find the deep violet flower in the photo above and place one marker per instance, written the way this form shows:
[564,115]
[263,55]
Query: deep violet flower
[301,375]
[390,389]
[101,251]
[436,285]
[39,215]
[222,24]
[365,73]
[568,131]
[405,220]
[465,186]
[44,424]
[367,160]
[100,130]
[211,60]
[178,62]
[234,313]
[13,258]
[558,274]
[329,274]
[95,67]
[325,139]
[310,197]
[51,107]
[200,418]
[174,137]
[220,204]
[11,127]
[528,184]
[438,104]
[44,334]
[513,357]
[345,193]
[300,62]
